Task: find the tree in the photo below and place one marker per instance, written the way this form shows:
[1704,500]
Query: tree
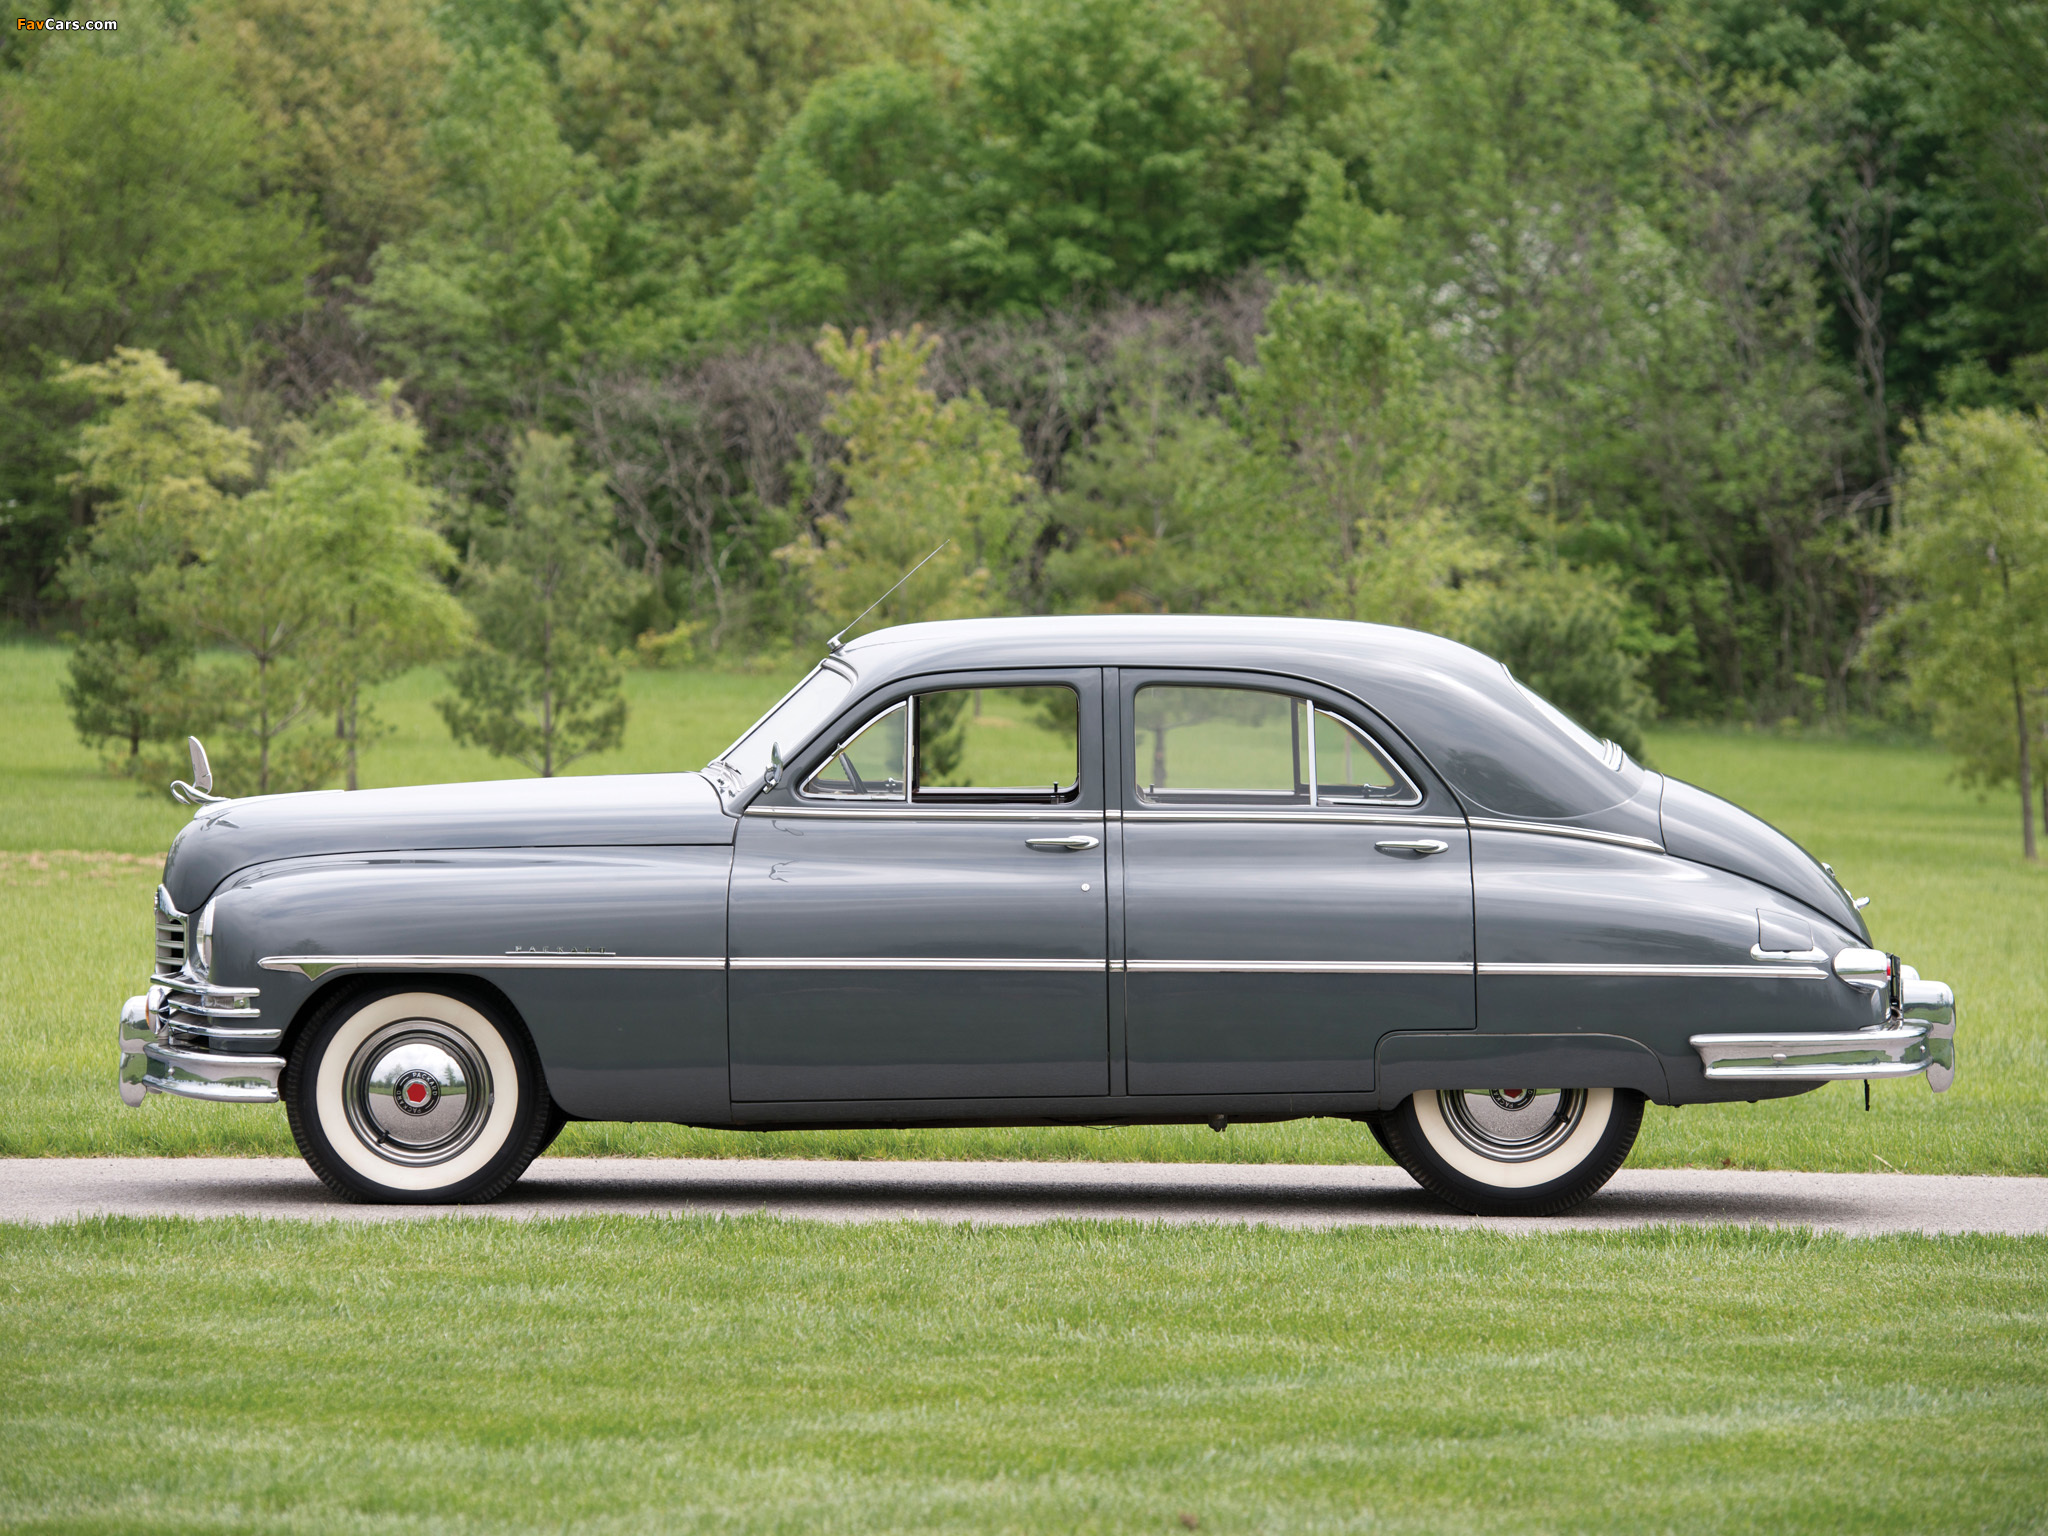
[1972,550]
[355,487]
[345,86]
[1509,140]
[1336,398]
[1563,633]
[547,590]
[136,210]
[531,264]
[918,473]
[684,95]
[854,204]
[157,465]
[1301,73]
[1096,155]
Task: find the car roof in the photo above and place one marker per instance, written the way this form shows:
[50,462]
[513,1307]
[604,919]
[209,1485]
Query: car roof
[1143,639]
[1472,723]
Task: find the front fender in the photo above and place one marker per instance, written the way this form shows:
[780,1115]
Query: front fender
[614,958]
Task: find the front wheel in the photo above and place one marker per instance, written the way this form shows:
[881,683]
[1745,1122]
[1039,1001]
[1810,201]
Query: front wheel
[1514,1151]
[416,1097]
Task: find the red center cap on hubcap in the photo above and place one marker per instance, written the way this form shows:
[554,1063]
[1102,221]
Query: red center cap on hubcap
[415,1093]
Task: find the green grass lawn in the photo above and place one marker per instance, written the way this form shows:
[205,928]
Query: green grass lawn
[1950,893]
[755,1375]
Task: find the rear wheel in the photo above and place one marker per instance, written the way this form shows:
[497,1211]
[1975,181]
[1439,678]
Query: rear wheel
[416,1097]
[1514,1151]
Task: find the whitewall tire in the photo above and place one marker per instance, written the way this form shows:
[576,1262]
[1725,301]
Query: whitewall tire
[1514,1151]
[404,1095]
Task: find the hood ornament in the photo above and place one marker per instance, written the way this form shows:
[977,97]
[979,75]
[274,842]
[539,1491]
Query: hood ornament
[200,790]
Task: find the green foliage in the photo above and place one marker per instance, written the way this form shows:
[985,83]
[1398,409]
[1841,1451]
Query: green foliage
[320,582]
[542,687]
[344,88]
[135,210]
[1563,633]
[854,208]
[1975,82]
[316,584]
[356,481]
[1096,136]
[159,464]
[1555,286]
[530,263]
[1336,400]
[1972,551]
[918,474]
[686,94]
[1508,142]
[1166,512]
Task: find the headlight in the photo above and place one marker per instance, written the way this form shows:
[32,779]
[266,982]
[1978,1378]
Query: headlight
[202,940]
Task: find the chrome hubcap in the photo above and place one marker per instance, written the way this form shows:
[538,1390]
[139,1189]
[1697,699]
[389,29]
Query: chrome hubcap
[1513,1125]
[417,1092]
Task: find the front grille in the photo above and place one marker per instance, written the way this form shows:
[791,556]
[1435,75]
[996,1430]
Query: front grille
[170,935]
[191,1011]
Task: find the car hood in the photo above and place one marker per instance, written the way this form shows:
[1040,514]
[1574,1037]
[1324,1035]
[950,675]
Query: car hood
[594,811]
[1708,830]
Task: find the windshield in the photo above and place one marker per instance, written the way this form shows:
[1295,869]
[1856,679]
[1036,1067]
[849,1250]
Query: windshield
[788,725]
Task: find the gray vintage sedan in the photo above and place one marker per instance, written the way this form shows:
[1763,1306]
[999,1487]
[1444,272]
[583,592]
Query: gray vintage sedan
[1033,872]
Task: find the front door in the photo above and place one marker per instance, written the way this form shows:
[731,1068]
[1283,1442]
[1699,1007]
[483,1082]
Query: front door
[1293,889]
[919,911]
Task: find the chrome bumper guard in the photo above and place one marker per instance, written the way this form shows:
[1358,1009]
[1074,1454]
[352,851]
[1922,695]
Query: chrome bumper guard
[1918,1035]
[190,1038]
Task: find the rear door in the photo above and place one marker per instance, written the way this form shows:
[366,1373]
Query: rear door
[1293,888]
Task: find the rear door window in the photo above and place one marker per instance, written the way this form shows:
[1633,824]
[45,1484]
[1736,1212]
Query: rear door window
[1253,746]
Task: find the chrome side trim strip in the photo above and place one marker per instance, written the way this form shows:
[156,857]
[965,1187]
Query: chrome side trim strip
[1778,972]
[1551,829]
[182,982]
[313,967]
[1339,818]
[1300,967]
[907,963]
[918,813]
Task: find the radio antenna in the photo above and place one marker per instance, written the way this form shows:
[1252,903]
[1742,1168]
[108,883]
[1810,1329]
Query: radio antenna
[837,643]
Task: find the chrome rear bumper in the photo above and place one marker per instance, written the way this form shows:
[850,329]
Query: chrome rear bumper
[1918,1036]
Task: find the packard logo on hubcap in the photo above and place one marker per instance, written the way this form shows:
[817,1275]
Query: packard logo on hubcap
[417,1092]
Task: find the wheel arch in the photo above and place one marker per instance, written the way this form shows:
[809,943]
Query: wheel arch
[338,986]
[1415,1062]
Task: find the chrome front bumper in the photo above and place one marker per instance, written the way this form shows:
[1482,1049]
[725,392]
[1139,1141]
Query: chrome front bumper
[1918,1035]
[186,1037]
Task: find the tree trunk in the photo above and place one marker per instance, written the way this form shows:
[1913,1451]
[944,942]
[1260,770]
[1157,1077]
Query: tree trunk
[547,707]
[263,735]
[2019,706]
[349,735]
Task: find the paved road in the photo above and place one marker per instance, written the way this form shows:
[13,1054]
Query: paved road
[59,1189]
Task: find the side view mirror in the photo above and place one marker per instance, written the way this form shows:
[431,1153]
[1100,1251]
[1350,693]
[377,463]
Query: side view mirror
[774,776]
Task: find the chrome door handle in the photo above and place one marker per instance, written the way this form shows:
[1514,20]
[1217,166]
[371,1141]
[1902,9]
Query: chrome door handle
[1421,847]
[1078,843]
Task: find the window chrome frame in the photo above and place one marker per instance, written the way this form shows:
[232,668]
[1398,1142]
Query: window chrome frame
[1054,798]
[805,792]
[1278,802]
